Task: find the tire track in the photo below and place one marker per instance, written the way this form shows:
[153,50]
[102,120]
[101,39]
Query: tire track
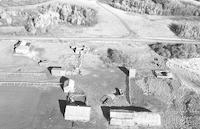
[131,33]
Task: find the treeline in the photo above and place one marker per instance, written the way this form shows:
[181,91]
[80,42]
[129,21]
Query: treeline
[156,7]
[176,50]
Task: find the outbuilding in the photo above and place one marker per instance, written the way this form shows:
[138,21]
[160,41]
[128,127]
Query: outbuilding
[22,48]
[69,86]
[77,113]
[124,118]
[132,73]
[58,71]
[163,74]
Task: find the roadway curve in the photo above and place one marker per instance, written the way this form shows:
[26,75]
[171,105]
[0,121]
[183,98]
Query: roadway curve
[131,33]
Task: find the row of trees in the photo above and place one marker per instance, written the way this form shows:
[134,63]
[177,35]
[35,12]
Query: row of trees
[176,50]
[157,7]
[188,30]
[46,16]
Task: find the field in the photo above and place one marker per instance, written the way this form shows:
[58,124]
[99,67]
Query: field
[45,110]
[108,41]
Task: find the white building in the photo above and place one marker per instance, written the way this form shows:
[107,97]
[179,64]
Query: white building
[22,48]
[69,86]
[132,73]
[58,72]
[163,74]
[127,118]
[77,113]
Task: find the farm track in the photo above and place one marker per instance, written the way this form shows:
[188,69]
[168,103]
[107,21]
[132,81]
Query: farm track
[22,76]
[38,80]
[131,33]
[145,40]
[30,84]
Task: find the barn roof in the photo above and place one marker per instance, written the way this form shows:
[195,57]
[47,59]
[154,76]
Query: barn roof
[126,118]
[77,113]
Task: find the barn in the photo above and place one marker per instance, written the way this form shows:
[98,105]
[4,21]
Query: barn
[77,113]
[125,118]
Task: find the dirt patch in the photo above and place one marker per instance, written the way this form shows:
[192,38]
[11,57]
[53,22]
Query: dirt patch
[156,7]
[176,50]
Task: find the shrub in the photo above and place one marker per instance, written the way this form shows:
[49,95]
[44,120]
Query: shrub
[156,7]
[46,16]
[116,57]
[189,30]
[176,50]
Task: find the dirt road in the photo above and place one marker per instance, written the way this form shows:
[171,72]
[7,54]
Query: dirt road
[100,39]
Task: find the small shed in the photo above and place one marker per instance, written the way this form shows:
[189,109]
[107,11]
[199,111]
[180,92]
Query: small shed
[76,97]
[133,118]
[22,48]
[163,74]
[132,73]
[77,113]
[58,72]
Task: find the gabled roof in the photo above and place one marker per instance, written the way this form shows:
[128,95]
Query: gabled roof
[77,113]
[126,118]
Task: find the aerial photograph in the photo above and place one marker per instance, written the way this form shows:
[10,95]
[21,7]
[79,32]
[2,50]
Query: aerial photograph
[99,64]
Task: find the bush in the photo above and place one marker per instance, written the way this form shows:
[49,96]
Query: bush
[46,16]
[189,30]
[116,57]
[176,50]
[156,7]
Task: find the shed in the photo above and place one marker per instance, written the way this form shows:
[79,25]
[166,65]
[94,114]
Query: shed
[69,86]
[58,72]
[77,113]
[132,118]
[76,97]
[162,74]
[132,73]
[22,47]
